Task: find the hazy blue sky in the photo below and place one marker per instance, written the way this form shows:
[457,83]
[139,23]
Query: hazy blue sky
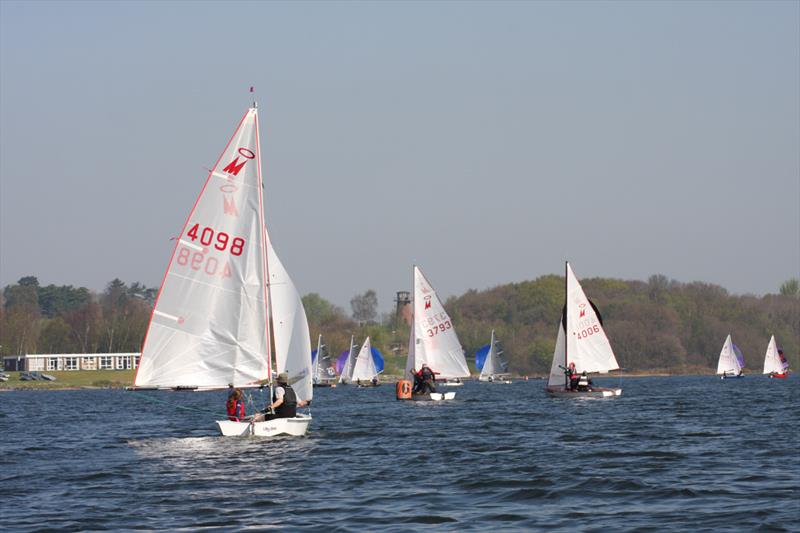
[486,142]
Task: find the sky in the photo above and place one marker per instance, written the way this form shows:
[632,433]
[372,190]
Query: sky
[486,142]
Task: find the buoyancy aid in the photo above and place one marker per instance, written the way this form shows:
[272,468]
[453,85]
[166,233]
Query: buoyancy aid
[235,410]
[288,408]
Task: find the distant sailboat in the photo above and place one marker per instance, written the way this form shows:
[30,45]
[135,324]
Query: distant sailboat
[731,361]
[775,363]
[226,297]
[433,340]
[489,360]
[347,362]
[581,340]
[323,373]
[365,372]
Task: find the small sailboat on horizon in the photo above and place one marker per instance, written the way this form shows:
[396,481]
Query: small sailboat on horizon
[323,372]
[432,340]
[775,363]
[581,346]
[489,360]
[731,361]
[227,305]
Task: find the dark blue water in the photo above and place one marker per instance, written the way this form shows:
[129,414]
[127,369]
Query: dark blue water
[671,454]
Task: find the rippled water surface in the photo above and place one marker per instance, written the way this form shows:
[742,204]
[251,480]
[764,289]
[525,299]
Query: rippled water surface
[670,454]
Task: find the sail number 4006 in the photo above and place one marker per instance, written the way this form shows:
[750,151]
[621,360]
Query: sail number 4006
[440,328]
[220,239]
[588,332]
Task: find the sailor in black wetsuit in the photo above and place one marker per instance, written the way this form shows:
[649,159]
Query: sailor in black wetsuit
[424,380]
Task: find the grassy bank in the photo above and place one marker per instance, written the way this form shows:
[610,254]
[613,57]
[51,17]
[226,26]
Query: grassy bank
[73,380]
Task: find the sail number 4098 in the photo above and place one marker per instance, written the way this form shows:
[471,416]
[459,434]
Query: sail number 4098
[220,239]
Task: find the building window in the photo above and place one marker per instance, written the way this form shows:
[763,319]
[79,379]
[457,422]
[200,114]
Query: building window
[123,362]
[88,363]
[52,363]
[136,361]
[106,363]
[70,363]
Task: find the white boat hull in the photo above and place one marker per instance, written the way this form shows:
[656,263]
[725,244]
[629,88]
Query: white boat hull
[293,427]
[433,396]
[594,393]
[450,383]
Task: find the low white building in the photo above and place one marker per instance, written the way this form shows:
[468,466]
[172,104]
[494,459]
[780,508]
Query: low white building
[71,361]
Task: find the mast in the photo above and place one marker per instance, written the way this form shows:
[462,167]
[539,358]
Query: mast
[267,294]
[566,311]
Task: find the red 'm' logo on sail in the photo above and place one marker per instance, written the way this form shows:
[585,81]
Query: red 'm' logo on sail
[427,302]
[234,166]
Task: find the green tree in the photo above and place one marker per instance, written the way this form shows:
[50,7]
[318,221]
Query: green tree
[791,287]
[365,306]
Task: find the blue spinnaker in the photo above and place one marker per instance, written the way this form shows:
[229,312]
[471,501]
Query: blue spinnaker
[480,356]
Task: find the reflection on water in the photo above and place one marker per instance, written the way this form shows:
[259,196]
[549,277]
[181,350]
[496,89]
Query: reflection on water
[670,454]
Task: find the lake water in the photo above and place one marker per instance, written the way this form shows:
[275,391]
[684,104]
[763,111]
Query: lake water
[670,454]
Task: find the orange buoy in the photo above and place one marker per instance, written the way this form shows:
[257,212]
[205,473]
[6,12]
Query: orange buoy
[403,389]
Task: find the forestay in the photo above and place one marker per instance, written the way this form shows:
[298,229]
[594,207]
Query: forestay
[772,360]
[731,360]
[209,324]
[364,367]
[433,338]
[586,343]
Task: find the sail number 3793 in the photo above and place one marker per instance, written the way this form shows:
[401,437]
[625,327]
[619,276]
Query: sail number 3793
[440,328]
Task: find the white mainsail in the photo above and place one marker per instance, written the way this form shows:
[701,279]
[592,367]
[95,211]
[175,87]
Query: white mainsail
[290,328]
[347,370]
[433,338]
[772,361]
[728,361]
[492,365]
[587,344]
[209,324]
[364,367]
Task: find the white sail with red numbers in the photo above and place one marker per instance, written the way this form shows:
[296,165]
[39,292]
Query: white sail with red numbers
[581,340]
[209,324]
[433,338]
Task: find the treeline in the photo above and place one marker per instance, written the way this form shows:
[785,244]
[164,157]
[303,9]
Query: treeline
[66,319]
[660,324]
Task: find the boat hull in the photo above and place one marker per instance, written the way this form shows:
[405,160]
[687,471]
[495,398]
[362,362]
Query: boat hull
[292,427]
[724,376]
[433,397]
[329,385]
[779,376]
[450,383]
[560,392]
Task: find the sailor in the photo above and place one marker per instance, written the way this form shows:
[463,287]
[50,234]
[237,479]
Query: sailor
[424,380]
[235,405]
[584,382]
[284,401]
[572,376]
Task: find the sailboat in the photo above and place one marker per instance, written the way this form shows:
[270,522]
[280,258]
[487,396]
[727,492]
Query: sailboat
[322,373]
[365,372]
[346,362]
[488,359]
[775,363]
[731,361]
[433,340]
[581,340]
[226,305]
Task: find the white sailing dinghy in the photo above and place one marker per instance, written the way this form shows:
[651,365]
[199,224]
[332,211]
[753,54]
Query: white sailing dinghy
[433,340]
[364,370]
[583,341]
[322,373]
[731,361]
[346,377]
[775,364]
[493,367]
[226,297]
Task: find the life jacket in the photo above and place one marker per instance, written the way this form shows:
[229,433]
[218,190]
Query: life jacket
[234,407]
[427,374]
[288,409]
